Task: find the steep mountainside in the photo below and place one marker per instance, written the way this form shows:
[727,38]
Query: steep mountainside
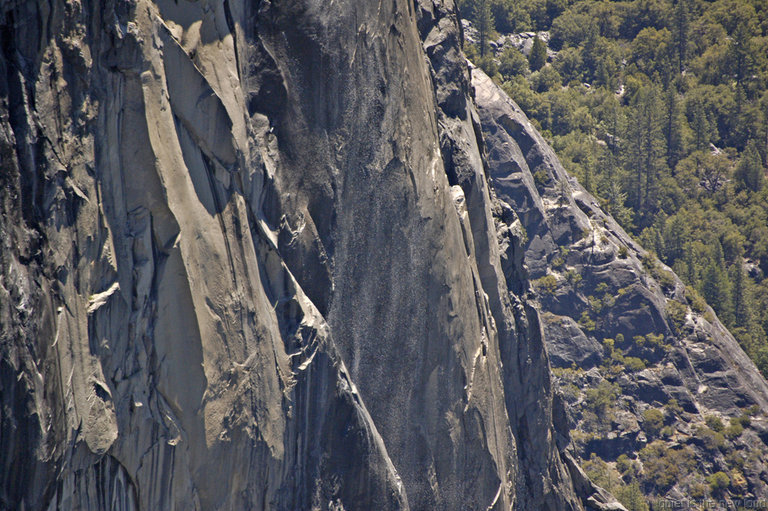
[250,260]
[644,365]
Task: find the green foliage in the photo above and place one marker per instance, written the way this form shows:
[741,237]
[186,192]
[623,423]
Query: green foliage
[649,261]
[631,496]
[546,285]
[545,79]
[635,101]
[653,421]
[609,478]
[750,173]
[734,429]
[482,18]
[663,467]
[656,340]
[694,298]
[677,313]
[538,56]
[623,463]
[571,393]
[513,63]
[712,440]
[716,289]
[634,364]
[719,481]
[645,150]
[541,178]
[699,491]
[573,277]
[602,397]
[559,260]
[488,64]
[665,278]
[586,322]
[714,423]
[673,407]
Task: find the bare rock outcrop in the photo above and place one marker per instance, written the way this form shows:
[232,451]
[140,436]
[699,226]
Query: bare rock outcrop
[619,321]
[251,260]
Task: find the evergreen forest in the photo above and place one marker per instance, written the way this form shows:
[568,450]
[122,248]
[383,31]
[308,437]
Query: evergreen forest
[660,109]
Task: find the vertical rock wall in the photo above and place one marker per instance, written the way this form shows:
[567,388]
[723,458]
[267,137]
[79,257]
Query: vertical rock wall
[251,260]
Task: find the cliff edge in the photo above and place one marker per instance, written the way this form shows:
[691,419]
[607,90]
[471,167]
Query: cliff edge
[251,260]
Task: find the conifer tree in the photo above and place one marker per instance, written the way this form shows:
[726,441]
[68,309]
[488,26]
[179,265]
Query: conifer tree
[749,172]
[702,128]
[538,57]
[483,19]
[645,148]
[673,127]
[741,304]
[740,45]
[681,31]
[716,290]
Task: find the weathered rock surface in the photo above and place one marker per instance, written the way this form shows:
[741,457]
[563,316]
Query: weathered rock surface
[598,292]
[251,260]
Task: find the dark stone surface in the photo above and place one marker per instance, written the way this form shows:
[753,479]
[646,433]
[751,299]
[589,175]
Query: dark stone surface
[251,259]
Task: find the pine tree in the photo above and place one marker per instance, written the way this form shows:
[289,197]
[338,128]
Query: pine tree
[716,289]
[673,127]
[681,30]
[483,20]
[538,56]
[589,176]
[646,149]
[692,263]
[749,172]
[702,128]
[591,53]
[675,236]
[740,51]
[742,314]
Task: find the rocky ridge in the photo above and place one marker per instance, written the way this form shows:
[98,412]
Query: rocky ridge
[644,366]
[522,42]
[251,260]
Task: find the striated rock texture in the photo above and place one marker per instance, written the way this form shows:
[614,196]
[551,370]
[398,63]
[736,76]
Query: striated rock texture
[251,260]
[613,314]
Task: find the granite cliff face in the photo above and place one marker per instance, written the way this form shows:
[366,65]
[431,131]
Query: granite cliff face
[251,260]
[620,323]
